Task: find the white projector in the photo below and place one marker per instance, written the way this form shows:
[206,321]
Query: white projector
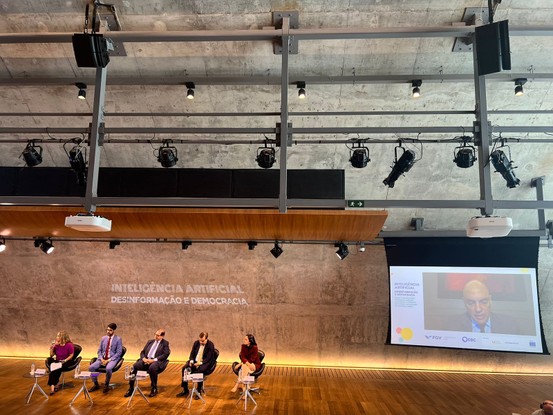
[88,223]
[489,226]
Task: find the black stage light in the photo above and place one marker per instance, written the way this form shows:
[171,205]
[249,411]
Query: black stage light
[301,90]
[277,250]
[30,154]
[167,155]
[359,157]
[464,155]
[3,245]
[416,84]
[186,244]
[519,90]
[82,90]
[114,244]
[504,166]
[266,157]
[45,246]
[252,245]
[401,165]
[190,91]
[342,251]
[77,160]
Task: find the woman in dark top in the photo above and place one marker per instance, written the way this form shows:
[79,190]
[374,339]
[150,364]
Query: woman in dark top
[249,359]
[61,351]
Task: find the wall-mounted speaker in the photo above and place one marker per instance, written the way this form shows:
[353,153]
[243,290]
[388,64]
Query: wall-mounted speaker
[91,50]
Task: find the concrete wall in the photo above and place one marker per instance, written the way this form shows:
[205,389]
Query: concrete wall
[305,308]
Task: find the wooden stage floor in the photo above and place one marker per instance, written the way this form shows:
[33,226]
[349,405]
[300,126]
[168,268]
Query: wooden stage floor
[294,391]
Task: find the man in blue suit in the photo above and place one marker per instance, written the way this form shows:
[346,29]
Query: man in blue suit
[109,353]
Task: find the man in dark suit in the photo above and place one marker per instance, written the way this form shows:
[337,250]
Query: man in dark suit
[202,357]
[479,317]
[153,358]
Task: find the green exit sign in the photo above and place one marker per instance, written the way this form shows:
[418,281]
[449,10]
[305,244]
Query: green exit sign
[356,203]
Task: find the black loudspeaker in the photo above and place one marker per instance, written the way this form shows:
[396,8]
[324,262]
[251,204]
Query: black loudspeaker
[91,50]
[493,48]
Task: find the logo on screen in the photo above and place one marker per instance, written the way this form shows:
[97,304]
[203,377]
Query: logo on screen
[468,339]
[432,337]
[532,344]
[405,334]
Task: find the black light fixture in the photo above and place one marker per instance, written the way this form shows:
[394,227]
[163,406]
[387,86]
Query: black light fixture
[504,165]
[186,244]
[45,246]
[32,154]
[362,247]
[519,90]
[464,156]
[266,157]
[3,245]
[77,160]
[416,84]
[301,90]
[401,165]
[114,244]
[342,251]
[277,250]
[82,90]
[167,155]
[252,245]
[190,91]
[359,157]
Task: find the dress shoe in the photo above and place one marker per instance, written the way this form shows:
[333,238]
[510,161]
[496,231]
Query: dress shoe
[94,388]
[129,393]
[153,392]
[106,389]
[196,397]
[183,393]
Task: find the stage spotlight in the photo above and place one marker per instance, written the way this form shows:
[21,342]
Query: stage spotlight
[252,245]
[342,251]
[82,90]
[77,160]
[167,155]
[401,166]
[114,244]
[519,90]
[3,245]
[45,246]
[416,84]
[504,165]
[359,157]
[186,244]
[464,155]
[361,247]
[277,250]
[301,90]
[30,154]
[190,91]
[266,157]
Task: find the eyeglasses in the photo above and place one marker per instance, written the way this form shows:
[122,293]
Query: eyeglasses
[548,403]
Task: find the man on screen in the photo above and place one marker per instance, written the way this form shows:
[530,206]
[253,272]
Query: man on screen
[479,317]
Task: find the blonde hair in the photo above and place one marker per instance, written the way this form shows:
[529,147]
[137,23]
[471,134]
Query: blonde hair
[64,337]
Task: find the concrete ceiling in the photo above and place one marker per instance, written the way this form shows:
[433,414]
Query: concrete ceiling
[360,73]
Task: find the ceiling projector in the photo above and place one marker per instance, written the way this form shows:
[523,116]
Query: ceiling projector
[88,223]
[489,226]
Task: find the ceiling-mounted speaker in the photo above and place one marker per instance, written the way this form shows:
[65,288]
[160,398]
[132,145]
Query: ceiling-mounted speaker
[91,50]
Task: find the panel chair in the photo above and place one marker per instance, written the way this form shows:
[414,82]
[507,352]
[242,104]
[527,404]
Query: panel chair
[75,361]
[255,374]
[102,369]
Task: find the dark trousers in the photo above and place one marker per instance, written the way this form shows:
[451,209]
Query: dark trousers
[153,370]
[54,376]
[194,369]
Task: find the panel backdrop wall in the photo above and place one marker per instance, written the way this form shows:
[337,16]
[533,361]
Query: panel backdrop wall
[305,308]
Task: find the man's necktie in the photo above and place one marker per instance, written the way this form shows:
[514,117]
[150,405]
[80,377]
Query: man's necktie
[106,355]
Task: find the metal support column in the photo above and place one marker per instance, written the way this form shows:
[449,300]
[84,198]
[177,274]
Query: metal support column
[482,135]
[95,142]
[283,195]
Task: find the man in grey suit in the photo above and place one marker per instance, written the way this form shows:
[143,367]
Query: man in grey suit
[109,353]
[479,317]
[153,358]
